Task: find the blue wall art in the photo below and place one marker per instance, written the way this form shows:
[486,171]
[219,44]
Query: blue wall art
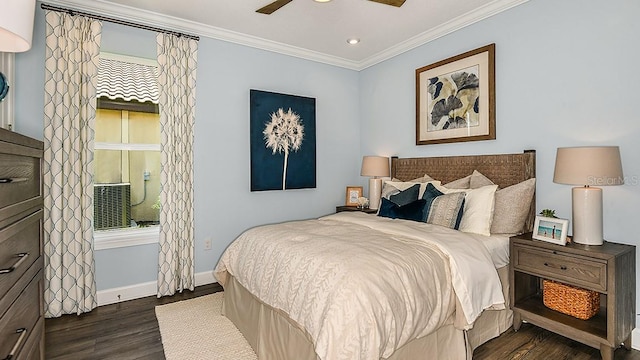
[283,141]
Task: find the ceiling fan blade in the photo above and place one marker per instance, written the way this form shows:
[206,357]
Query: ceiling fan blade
[273,6]
[397,3]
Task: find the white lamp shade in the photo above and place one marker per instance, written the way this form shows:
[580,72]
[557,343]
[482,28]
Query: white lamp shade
[16,25]
[593,166]
[590,167]
[375,166]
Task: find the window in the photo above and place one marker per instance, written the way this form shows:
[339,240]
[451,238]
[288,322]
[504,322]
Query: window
[127,153]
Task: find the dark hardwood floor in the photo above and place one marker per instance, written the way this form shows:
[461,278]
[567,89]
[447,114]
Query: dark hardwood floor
[129,330]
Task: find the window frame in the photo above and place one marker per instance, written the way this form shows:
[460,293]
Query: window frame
[119,238]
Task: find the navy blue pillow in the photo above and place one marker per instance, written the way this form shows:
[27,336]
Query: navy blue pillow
[430,194]
[413,211]
[406,196]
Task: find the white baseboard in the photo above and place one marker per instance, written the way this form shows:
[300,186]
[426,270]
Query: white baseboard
[635,339]
[116,295]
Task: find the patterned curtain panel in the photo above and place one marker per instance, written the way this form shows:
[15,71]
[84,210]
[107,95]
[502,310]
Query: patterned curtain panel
[177,59]
[71,68]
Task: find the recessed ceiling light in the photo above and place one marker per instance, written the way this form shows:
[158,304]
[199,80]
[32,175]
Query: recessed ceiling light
[321,0]
[353,41]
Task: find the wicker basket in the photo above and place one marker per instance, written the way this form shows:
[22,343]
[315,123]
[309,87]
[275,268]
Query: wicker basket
[580,303]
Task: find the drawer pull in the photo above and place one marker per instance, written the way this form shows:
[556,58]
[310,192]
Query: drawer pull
[7,180]
[22,258]
[562,267]
[16,346]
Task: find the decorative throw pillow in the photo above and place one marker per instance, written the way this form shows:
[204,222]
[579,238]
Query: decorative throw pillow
[413,211]
[512,206]
[443,209]
[478,180]
[477,213]
[462,183]
[405,196]
[395,187]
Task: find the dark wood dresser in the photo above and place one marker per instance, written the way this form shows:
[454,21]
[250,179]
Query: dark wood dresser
[21,259]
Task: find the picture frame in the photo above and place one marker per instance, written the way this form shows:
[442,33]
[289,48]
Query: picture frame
[352,195]
[455,98]
[282,133]
[553,230]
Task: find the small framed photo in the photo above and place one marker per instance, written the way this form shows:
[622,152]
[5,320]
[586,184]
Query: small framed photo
[353,193]
[553,230]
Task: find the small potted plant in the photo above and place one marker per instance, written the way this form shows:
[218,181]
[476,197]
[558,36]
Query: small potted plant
[548,213]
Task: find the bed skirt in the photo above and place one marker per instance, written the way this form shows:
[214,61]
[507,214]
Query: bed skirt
[273,335]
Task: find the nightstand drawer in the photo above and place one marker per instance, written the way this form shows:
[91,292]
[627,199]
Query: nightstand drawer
[574,270]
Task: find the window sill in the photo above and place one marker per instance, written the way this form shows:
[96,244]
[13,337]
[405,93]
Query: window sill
[113,239]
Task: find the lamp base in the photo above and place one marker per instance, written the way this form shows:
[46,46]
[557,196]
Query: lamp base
[375,189]
[587,215]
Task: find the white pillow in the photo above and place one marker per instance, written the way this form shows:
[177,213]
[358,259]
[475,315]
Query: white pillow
[477,214]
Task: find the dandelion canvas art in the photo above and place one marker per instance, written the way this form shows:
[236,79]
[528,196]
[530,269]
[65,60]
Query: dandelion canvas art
[283,141]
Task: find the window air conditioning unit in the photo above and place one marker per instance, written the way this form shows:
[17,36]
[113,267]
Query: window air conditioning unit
[111,206]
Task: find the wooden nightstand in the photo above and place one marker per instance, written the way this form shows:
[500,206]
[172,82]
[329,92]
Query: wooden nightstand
[609,269]
[353,208]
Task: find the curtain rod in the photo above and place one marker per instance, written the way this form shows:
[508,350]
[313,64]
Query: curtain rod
[117,21]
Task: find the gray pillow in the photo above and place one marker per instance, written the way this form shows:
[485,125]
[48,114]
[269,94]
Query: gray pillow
[478,180]
[512,207]
[446,210]
[462,183]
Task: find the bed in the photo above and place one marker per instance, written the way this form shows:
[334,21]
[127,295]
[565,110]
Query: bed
[346,286]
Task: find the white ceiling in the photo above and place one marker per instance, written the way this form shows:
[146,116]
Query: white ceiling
[305,28]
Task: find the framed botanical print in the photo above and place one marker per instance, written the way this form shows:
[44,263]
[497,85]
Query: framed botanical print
[455,98]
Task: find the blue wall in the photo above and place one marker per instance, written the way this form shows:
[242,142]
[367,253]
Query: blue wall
[565,76]
[224,204]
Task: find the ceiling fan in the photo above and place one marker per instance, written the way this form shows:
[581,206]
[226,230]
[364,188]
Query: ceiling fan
[280,3]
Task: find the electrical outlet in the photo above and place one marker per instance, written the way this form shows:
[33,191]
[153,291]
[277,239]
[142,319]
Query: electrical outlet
[207,243]
[146,175]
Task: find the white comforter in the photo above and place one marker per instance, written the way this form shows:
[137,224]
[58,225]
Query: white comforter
[363,286]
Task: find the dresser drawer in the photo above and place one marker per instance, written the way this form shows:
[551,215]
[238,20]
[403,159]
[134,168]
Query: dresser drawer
[33,348]
[579,271]
[19,178]
[19,249]
[24,313]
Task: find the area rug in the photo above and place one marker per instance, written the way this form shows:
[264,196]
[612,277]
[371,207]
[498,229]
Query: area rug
[195,329]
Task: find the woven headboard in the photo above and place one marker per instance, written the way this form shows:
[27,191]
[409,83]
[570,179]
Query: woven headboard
[503,169]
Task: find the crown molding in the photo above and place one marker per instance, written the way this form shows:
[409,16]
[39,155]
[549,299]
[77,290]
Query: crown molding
[150,18]
[462,21]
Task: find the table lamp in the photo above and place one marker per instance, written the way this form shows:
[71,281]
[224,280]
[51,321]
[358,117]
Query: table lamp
[589,167]
[16,25]
[375,166]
